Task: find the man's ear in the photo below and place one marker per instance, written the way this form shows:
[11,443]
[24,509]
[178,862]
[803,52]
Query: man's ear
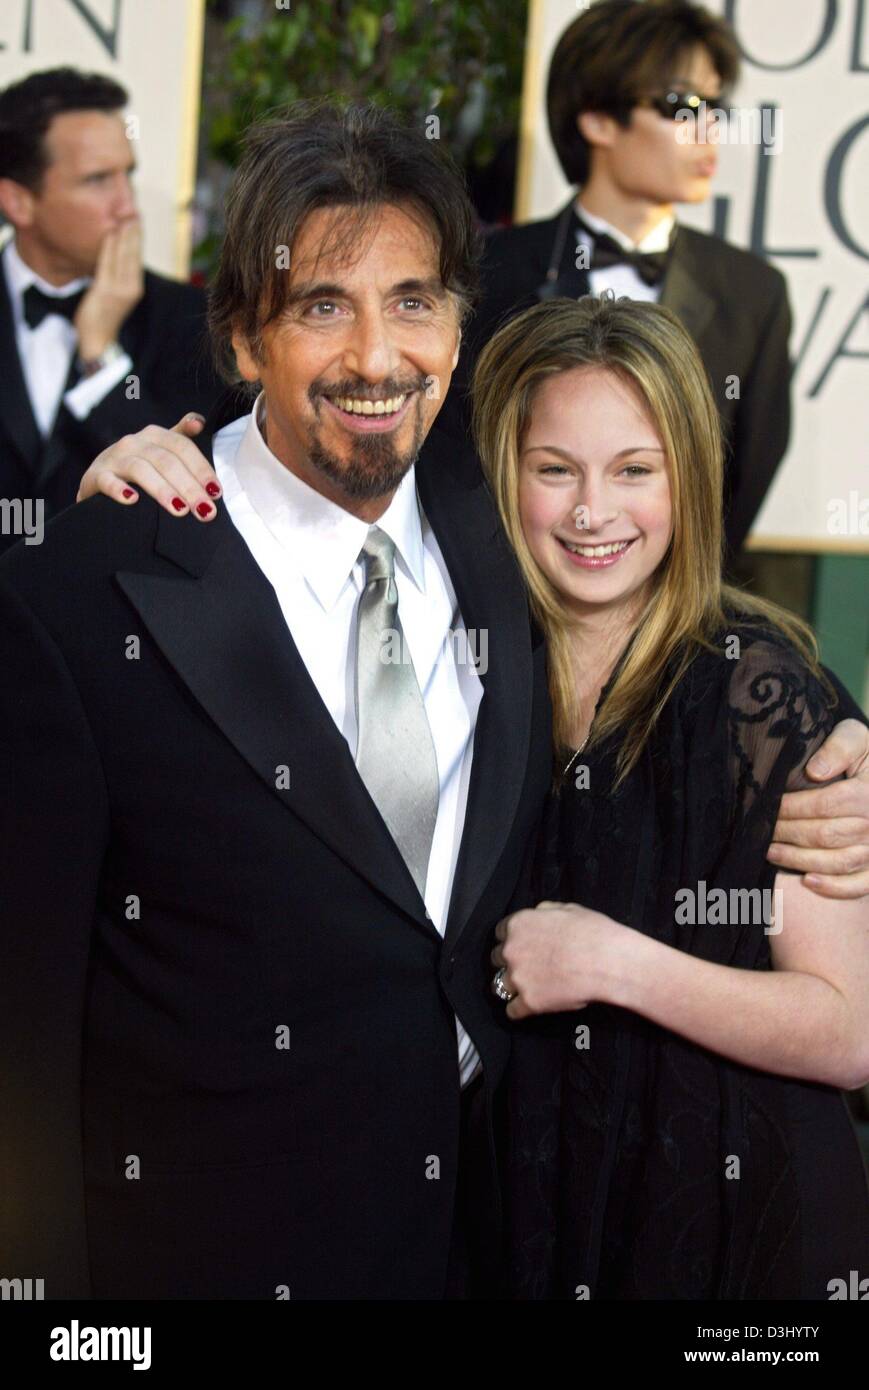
[596,127]
[17,203]
[244,358]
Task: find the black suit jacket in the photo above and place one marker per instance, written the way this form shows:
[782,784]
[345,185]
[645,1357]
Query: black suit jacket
[736,308]
[165,337]
[170,905]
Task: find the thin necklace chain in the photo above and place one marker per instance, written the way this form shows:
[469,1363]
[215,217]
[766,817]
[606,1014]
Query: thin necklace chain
[577,753]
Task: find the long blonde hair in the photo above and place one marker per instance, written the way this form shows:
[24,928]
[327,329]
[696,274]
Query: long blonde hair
[647,346]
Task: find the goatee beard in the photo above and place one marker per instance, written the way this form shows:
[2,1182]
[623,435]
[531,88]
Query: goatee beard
[374,466]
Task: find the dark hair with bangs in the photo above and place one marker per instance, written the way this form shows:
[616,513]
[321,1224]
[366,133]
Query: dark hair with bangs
[320,154]
[618,51]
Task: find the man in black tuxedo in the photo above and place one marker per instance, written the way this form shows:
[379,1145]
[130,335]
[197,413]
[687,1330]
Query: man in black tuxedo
[91,345]
[623,82]
[251,863]
[250,866]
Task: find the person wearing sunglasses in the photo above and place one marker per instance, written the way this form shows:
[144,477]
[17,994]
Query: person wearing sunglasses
[627,82]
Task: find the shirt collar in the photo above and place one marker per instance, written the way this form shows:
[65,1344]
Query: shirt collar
[323,538]
[658,239]
[20,277]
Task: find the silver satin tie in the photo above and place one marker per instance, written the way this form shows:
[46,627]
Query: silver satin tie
[395,753]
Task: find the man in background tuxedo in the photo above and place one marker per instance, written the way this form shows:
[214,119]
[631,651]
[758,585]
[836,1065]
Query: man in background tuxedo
[91,345]
[620,75]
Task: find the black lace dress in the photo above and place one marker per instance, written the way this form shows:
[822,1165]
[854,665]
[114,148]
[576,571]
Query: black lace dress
[640,1165]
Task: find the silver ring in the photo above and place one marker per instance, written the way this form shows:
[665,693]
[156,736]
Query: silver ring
[498,985]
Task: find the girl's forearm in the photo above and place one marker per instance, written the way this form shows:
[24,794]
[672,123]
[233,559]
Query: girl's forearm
[779,1021]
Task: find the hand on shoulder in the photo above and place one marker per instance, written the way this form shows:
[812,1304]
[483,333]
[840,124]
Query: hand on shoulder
[164,463]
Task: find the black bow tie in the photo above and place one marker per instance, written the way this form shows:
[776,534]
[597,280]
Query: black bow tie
[651,266]
[38,305]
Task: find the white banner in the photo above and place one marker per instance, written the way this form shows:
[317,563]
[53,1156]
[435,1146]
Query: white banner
[805,207]
[154,49]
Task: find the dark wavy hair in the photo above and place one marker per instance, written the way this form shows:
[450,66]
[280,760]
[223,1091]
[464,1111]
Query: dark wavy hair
[322,154]
[616,52]
[28,107]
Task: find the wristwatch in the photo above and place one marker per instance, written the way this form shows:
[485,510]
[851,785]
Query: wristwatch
[109,354]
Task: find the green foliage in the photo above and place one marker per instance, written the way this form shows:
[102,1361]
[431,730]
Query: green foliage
[423,57]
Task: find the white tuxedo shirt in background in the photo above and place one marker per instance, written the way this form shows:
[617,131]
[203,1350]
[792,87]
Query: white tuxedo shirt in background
[623,279]
[46,351]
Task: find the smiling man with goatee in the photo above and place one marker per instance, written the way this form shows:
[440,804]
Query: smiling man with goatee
[253,867]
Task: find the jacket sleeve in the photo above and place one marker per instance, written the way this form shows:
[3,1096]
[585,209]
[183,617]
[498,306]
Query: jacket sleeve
[847,707]
[763,422]
[53,828]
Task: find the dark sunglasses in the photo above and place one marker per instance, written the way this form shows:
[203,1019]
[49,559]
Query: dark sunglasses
[676,104]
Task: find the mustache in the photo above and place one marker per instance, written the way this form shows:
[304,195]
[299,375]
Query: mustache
[383,391]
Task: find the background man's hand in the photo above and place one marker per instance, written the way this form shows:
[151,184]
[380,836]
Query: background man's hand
[117,287]
[824,833]
[164,463]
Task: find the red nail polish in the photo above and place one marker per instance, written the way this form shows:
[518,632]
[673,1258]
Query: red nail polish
[204,509]
[178,504]
[212,489]
[128,492]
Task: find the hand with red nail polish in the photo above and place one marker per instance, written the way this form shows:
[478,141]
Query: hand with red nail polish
[164,464]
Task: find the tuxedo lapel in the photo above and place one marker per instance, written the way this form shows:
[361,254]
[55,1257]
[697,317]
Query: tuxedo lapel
[683,290]
[134,329]
[492,601]
[16,414]
[561,240]
[55,448]
[220,626]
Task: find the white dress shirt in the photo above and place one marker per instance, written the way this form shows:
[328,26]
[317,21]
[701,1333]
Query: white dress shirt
[308,549]
[46,352]
[623,279]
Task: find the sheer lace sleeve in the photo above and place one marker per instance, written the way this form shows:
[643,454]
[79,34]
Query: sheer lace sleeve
[778,713]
